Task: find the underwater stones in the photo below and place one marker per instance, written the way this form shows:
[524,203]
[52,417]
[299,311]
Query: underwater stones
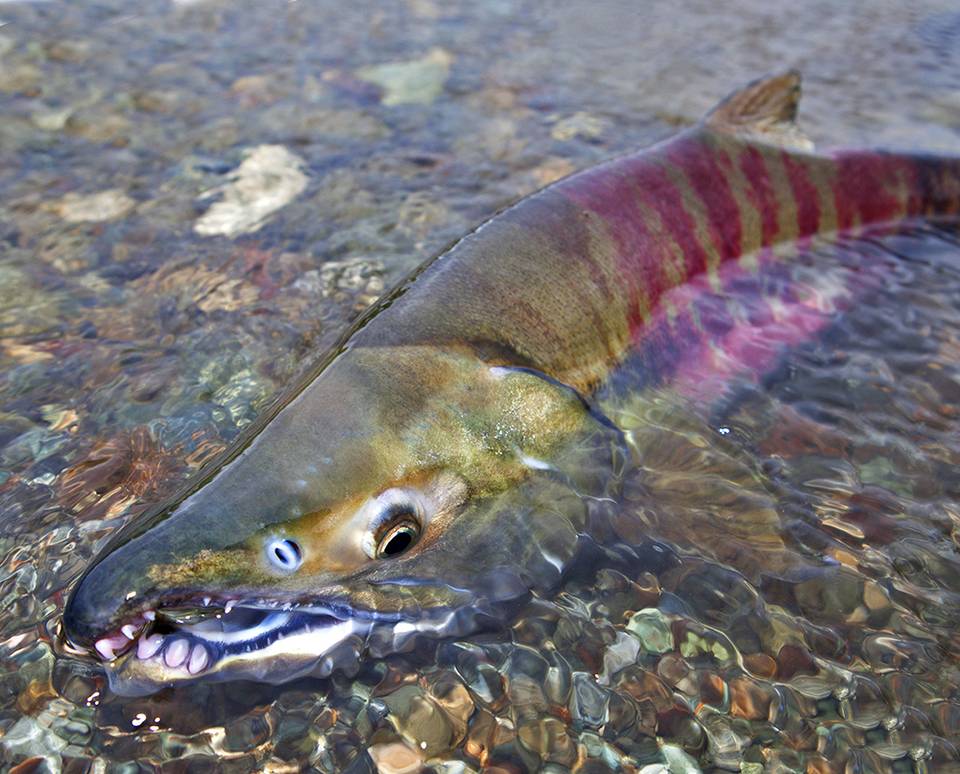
[589,703]
[20,78]
[452,697]
[678,761]
[417,82]
[420,721]
[548,739]
[488,734]
[473,666]
[28,738]
[579,125]
[794,660]
[619,594]
[51,119]
[699,642]
[111,204]
[99,124]
[395,758]
[653,630]
[749,699]
[268,178]
[621,653]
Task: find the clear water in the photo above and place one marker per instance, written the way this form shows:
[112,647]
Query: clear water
[799,610]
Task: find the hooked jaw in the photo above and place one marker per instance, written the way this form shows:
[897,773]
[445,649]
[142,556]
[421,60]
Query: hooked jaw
[254,640]
[148,637]
[157,640]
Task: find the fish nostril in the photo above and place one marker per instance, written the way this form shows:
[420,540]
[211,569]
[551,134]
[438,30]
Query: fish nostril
[284,554]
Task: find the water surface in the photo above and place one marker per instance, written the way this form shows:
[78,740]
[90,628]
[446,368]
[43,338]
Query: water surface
[798,606]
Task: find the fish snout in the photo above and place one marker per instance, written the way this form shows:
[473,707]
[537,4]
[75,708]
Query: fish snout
[103,612]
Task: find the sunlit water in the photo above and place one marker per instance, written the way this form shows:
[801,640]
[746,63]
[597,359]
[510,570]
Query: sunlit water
[798,601]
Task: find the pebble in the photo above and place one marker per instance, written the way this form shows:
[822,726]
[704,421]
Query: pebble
[653,630]
[98,207]
[268,179]
[396,758]
[415,82]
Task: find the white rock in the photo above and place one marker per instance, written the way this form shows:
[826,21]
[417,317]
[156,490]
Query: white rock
[269,178]
[94,208]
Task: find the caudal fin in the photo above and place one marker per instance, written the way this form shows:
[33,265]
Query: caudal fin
[764,110]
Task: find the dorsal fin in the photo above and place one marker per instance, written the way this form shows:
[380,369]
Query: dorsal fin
[765,110]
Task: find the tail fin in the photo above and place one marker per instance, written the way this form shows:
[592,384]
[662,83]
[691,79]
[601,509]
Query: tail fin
[764,110]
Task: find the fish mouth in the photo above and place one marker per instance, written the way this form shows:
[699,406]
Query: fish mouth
[259,640]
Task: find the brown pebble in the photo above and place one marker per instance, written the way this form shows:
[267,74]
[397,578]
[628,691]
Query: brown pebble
[645,687]
[395,758]
[712,689]
[749,699]
[548,738]
[795,660]
[676,672]
[760,664]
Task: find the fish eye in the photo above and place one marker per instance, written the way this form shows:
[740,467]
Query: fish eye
[284,554]
[397,538]
[395,524]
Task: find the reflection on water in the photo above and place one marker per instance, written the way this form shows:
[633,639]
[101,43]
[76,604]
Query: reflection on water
[797,601]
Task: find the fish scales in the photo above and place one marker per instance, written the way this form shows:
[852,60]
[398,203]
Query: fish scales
[600,248]
[452,455]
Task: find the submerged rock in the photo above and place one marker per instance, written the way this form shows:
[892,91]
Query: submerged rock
[419,81]
[111,204]
[269,178]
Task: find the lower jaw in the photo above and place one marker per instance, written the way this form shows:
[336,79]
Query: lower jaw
[316,652]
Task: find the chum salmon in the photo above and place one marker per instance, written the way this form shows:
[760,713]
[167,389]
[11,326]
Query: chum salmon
[452,454]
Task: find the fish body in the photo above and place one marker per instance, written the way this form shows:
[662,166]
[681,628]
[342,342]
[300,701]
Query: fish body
[451,455]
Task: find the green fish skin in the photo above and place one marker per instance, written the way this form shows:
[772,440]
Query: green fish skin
[448,457]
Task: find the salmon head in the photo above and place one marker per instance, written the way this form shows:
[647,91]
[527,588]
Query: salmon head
[405,491]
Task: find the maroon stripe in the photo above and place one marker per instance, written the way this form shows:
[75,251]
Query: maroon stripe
[760,192]
[861,188]
[610,195]
[805,195]
[710,182]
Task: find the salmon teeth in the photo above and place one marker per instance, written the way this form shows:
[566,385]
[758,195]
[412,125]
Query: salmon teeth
[176,652]
[108,647]
[198,660]
[148,646]
[129,631]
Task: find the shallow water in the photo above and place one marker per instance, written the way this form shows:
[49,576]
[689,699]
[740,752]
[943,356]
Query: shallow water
[799,597]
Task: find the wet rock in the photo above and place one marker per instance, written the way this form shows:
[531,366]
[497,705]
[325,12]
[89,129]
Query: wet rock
[94,208]
[653,630]
[418,719]
[347,125]
[20,78]
[749,699]
[793,660]
[28,738]
[453,699]
[548,739]
[488,734]
[268,179]
[51,119]
[396,758]
[579,124]
[677,672]
[700,642]
[678,762]
[71,51]
[418,82]
[589,702]
[97,124]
